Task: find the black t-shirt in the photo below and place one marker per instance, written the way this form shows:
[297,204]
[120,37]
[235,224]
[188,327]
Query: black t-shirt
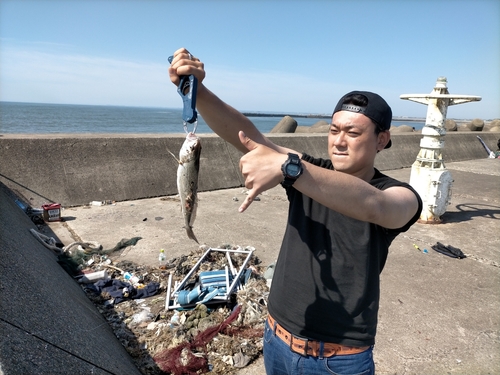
[326,281]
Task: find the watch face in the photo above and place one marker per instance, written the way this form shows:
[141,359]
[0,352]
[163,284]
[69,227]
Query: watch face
[292,170]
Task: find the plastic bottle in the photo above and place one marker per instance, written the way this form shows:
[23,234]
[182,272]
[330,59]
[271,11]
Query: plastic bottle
[131,278]
[162,258]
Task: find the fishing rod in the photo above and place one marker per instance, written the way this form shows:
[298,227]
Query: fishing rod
[491,154]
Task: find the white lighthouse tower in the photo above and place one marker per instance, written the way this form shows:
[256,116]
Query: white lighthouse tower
[429,176]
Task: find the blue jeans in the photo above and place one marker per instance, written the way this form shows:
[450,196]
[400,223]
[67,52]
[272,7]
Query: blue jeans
[280,360]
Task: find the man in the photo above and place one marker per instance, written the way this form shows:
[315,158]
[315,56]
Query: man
[343,216]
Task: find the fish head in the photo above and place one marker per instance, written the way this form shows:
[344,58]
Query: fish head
[191,147]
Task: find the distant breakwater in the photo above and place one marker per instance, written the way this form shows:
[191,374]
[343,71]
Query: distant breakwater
[311,115]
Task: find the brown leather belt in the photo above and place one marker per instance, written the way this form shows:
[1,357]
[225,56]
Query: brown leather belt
[307,347]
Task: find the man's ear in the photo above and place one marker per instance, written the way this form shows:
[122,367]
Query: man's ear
[383,139]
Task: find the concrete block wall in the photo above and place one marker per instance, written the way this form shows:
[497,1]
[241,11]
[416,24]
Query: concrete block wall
[47,323]
[76,169]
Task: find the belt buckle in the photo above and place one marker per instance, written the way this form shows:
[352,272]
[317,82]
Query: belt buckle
[306,345]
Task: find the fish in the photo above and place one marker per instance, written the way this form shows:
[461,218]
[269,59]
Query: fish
[187,180]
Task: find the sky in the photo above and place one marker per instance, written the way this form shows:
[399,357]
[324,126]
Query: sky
[265,56]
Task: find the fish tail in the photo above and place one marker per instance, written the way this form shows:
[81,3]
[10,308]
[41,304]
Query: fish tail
[190,233]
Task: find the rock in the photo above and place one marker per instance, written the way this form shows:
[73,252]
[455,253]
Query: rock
[302,129]
[475,125]
[492,124]
[320,127]
[450,125]
[320,124]
[463,128]
[286,125]
[495,129]
[402,129]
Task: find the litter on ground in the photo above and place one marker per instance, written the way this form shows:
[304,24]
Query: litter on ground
[198,313]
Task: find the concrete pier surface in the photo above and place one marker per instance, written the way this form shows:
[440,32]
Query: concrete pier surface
[438,315]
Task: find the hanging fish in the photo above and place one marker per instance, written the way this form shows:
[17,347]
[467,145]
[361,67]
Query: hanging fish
[187,180]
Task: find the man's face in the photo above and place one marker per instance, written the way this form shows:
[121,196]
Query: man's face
[353,144]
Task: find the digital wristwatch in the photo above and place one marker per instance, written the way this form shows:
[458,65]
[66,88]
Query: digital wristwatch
[292,169]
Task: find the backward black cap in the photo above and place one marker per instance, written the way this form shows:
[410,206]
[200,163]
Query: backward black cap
[377,109]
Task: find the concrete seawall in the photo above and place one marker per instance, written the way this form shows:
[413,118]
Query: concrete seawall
[48,325]
[75,169]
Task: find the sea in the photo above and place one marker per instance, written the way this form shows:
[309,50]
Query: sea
[38,118]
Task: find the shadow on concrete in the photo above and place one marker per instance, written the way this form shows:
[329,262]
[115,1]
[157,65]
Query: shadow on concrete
[470,211]
[24,187]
